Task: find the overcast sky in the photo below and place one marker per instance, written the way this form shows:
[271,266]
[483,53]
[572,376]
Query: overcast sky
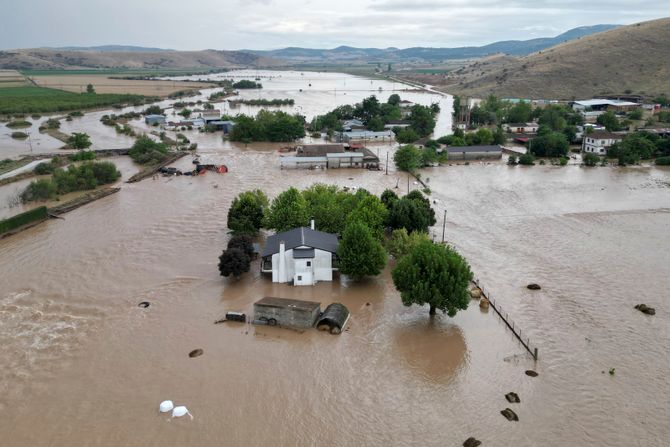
[271,24]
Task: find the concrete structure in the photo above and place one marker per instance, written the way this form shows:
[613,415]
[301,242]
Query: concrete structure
[397,123]
[287,312]
[364,135]
[152,120]
[521,127]
[474,152]
[592,108]
[599,142]
[331,156]
[302,256]
[210,115]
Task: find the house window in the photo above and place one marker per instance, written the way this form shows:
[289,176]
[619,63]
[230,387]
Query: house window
[299,278]
[309,263]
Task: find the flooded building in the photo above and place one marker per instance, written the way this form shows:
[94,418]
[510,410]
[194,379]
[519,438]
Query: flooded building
[287,312]
[330,156]
[365,135]
[154,120]
[599,142]
[474,152]
[302,256]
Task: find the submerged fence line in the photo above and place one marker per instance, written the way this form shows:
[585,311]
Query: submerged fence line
[516,330]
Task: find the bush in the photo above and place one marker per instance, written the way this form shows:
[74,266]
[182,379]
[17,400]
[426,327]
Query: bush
[19,135]
[23,219]
[83,156]
[76,178]
[563,161]
[590,159]
[527,159]
[79,141]
[512,160]
[663,161]
[145,150]
[19,124]
[42,189]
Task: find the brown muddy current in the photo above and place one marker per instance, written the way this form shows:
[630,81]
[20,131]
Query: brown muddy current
[83,365]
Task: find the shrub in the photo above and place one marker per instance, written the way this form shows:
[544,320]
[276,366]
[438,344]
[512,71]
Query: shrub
[512,160]
[563,161]
[527,159]
[83,156]
[590,159]
[145,150]
[663,161]
[19,135]
[19,124]
[42,189]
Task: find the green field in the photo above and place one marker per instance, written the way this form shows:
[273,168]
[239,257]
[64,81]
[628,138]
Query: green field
[121,71]
[45,100]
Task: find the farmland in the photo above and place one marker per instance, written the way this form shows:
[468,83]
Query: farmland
[32,99]
[77,83]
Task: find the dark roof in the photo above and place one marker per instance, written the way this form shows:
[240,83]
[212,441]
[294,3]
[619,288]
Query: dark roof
[461,149]
[298,237]
[319,150]
[336,314]
[284,303]
[522,124]
[602,135]
[368,155]
[303,253]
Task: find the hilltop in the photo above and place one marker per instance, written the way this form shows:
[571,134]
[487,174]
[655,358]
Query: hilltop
[48,59]
[345,54]
[630,59]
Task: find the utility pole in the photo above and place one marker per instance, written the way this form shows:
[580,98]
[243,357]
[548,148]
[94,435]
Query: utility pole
[407,183]
[444,224]
[387,163]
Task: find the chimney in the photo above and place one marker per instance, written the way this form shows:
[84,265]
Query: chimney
[281,273]
[311,224]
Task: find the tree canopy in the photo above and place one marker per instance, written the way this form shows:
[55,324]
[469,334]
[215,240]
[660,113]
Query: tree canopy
[245,215]
[434,275]
[412,212]
[79,141]
[275,126]
[287,211]
[359,252]
[234,262]
[145,150]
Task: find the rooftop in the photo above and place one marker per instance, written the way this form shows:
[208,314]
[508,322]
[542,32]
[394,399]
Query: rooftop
[604,102]
[301,237]
[318,150]
[603,135]
[284,303]
[461,149]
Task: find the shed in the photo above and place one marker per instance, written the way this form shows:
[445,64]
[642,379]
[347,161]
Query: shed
[287,312]
[154,119]
[474,152]
[334,318]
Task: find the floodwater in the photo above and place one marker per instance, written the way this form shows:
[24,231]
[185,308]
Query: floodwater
[83,365]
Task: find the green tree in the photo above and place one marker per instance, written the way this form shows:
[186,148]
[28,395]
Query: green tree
[551,144]
[412,212]
[245,215]
[185,113]
[434,275]
[360,253]
[376,124]
[242,242]
[153,110]
[90,89]
[609,120]
[394,99]
[234,262]
[457,107]
[402,243]
[422,120]
[371,212]
[499,136]
[590,159]
[79,141]
[145,150]
[389,198]
[326,206]
[527,159]
[520,112]
[407,158]
[287,211]
[406,135]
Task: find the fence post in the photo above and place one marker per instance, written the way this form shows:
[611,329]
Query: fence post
[535,354]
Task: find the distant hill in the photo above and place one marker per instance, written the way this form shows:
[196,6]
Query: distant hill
[45,59]
[348,54]
[113,48]
[634,58]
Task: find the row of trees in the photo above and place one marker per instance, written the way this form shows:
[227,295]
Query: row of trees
[409,158]
[482,136]
[88,175]
[639,146]
[276,126]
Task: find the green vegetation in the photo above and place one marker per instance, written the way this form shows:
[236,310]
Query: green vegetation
[8,165]
[22,219]
[246,212]
[663,161]
[409,158]
[638,146]
[268,125]
[288,210]
[52,123]
[590,159]
[360,252]
[18,124]
[246,84]
[435,275]
[635,114]
[19,135]
[264,102]
[44,100]
[412,212]
[402,243]
[147,151]
[79,141]
[153,110]
[90,89]
[549,144]
[76,178]
[609,120]
[527,159]
[234,262]
[83,156]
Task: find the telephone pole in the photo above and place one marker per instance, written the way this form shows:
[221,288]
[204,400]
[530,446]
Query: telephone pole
[444,224]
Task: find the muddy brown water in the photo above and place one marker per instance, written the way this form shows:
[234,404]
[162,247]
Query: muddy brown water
[82,364]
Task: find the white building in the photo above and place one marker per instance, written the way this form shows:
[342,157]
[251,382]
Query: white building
[521,127]
[599,142]
[302,256]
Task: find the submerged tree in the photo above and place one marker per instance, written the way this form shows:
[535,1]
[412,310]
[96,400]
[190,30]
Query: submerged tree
[360,253]
[243,243]
[234,262]
[434,275]
[79,141]
[246,212]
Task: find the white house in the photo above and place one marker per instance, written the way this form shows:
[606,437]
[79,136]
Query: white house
[521,127]
[599,142]
[302,256]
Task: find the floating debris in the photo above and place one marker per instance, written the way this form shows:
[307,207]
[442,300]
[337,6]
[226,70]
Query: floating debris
[534,286]
[512,398]
[646,309]
[196,353]
[166,406]
[472,442]
[144,304]
[180,411]
[531,373]
[509,414]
